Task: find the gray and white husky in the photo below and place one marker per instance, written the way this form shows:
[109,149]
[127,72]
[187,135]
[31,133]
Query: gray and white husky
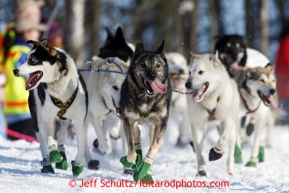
[145,99]
[214,100]
[56,91]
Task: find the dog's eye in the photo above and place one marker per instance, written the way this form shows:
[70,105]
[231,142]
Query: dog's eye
[273,81]
[158,65]
[201,72]
[261,80]
[143,65]
[115,87]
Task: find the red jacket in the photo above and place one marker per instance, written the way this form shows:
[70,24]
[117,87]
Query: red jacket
[282,69]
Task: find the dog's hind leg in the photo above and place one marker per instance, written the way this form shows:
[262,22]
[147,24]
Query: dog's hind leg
[198,137]
[256,145]
[102,144]
[184,137]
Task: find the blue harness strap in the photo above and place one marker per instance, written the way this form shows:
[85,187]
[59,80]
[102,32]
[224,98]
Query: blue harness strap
[99,69]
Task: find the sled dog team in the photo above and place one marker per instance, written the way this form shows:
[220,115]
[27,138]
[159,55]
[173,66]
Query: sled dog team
[234,89]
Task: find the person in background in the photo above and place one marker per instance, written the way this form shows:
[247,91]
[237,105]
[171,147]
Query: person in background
[3,124]
[54,33]
[15,104]
[23,9]
[282,68]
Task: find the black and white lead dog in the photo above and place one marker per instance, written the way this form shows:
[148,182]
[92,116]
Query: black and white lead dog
[56,91]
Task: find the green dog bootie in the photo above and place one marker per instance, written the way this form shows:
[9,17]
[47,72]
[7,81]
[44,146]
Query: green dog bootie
[63,165]
[238,155]
[47,168]
[148,179]
[76,169]
[139,157]
[142,169]
[252,162]
[55,156]
[261,154]
[125,162]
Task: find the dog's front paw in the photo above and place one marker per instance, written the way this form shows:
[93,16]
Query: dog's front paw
[213,155]
[201,173]
[47,167]
[76,169]
[250,129]
[128,171]
[63,165]
[93,165]
[98,149]
[140,171]
[125,162]
[55,156]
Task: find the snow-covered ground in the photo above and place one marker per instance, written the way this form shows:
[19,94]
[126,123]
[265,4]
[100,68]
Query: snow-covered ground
[20,169]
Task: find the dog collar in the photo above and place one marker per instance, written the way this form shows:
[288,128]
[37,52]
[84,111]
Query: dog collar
[64,106]
[143,93]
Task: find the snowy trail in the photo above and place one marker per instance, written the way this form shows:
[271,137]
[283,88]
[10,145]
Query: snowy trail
[20,169]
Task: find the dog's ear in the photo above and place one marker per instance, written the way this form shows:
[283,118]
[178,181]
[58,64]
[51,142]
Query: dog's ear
[48,47]
[161,50]
[139,48]
[110,35]
[33,43]
[216,59]
[119,35]
[269,67]
[196,56]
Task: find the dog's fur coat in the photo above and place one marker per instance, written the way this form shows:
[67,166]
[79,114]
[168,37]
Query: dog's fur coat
[258,92]
[52,73]
[145,98]
[214,100]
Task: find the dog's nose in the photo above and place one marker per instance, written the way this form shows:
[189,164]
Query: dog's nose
[16,72]
[188,85]
[152,76]
[272,91]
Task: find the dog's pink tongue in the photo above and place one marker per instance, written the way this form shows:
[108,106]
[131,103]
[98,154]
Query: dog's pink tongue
[235,67]
[274,105]
[196,95]
[158,87]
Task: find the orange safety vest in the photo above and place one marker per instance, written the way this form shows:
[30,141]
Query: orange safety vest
[16,95]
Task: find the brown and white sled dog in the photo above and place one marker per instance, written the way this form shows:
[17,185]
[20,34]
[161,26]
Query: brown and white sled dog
[178,71]
[145,99]
[56,91]
[214,100]
[258,93]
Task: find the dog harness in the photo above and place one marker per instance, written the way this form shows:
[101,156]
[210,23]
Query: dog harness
[212,112]
[249,111]
[64,106]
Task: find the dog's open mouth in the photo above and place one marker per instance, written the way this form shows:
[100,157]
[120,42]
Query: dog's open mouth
[154,87]
[234,67]
[268,100]
[199,92]
[118,114]
[33,79]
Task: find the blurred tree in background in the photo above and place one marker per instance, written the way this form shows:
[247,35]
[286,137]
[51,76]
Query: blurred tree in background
[186,25]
